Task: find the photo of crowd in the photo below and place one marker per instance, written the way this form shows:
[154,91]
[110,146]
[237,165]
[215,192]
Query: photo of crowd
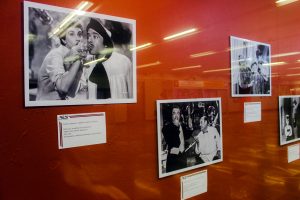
[189,134]
[82,59]
[250,68]
[289,115]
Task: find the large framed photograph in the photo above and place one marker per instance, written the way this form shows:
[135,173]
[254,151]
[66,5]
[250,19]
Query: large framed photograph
[74,57]
[289,117]
[189,133]
[250,68]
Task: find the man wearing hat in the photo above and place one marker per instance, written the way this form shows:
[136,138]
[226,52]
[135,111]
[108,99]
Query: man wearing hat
[112,72]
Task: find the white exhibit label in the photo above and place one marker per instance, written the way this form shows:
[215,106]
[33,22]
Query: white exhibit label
[81,129]
[252,112]
[293,152]
[193,184]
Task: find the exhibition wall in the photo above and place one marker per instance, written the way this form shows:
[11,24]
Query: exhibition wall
[197,65]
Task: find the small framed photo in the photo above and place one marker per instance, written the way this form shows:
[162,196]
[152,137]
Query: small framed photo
[189,133]
[250,68]
[289,119]
[75,57]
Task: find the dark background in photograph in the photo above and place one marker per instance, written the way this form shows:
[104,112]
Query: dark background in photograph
[190,115]
[290,111]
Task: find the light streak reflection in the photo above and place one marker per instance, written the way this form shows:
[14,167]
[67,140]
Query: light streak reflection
[185,68]
[141,46]
[202,54]
[284,2]
[80,10]
[183,33]
[149,64]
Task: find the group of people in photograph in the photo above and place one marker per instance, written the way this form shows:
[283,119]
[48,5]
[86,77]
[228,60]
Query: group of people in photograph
[290,113]
[192,135]
[85,63]
[254,76]
[251,72]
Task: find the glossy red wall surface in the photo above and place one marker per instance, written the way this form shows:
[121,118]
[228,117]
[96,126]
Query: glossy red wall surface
[255,165]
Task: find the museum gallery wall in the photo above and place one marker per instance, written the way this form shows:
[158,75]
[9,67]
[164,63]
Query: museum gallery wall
[194,68]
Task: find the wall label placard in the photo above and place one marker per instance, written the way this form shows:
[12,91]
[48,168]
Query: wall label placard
[193,184]
[81,129]
[252,112]
[293,152]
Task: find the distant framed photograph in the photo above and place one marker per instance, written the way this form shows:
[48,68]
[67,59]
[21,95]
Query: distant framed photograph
[250,68]
[289,117]
[74,57]
[189,133]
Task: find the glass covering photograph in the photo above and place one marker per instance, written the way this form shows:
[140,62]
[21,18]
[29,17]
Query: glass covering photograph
[73,57]
[289,117]
[189,134]
[250,68]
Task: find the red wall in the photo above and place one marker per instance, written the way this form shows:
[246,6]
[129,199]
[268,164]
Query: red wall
[254,166]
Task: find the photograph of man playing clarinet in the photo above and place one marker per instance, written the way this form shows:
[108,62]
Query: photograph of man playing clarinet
[190,135]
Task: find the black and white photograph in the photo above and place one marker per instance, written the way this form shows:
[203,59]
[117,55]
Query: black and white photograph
[189,133]
[74,57]
[250,68]
[289,116]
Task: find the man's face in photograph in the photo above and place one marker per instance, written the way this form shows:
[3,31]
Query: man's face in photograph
[95,42]
[175,116]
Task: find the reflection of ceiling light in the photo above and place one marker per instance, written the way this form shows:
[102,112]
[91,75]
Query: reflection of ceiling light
[294,68]
[294,89]
[67,19]
[274,64]
[95,9]
[94,61]
[293,75]
[55,32]
[141,46]
[80,10]
[284,2]
[207,53]
[240,47]
[184,68]
[180,34]
[216,70]
[149,64]
[83,4]
[285,54]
